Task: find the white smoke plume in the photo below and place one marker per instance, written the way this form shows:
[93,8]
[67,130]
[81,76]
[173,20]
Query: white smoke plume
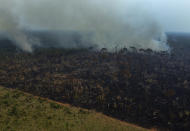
[110,23]
[9,24]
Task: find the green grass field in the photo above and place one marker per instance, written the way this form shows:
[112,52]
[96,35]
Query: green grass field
[23,112]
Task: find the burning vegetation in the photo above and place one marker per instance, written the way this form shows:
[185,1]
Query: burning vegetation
[141,86]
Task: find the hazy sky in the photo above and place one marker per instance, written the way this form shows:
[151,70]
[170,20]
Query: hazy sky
[173,15]
[139,23]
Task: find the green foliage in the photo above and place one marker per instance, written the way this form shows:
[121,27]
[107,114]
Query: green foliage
[55,106]
[36,114]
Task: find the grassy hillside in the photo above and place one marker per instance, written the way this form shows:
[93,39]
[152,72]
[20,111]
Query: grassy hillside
[21,111]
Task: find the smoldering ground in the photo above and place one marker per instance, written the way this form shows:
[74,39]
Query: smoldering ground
[101,23]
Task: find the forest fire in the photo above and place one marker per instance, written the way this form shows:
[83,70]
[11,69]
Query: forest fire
[111,56]
[143,86]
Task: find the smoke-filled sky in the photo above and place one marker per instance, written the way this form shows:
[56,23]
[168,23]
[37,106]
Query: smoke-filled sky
[106,23]
[173,15]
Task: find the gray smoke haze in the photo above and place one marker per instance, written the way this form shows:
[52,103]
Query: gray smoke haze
[9,25]
[105,23]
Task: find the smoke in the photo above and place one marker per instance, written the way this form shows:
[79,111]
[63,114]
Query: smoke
[104,23]
[9,25]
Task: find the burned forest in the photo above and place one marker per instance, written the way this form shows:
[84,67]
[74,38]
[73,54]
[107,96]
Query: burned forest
[141,86]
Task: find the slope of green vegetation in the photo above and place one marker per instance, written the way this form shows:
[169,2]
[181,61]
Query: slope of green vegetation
[21,111]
